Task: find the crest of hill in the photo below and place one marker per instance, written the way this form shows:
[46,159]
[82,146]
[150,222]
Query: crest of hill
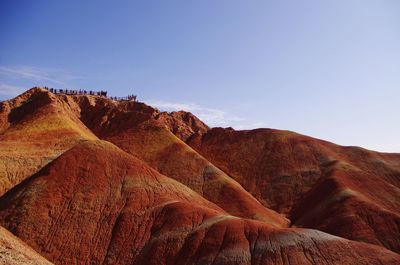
[181,123]
[95,111]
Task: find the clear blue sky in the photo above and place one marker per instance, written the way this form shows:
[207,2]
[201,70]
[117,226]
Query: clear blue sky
[329,69]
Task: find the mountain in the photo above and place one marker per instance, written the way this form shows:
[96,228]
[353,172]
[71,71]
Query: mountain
[86,179]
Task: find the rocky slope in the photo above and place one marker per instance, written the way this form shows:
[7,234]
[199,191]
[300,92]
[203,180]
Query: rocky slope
[13,251]
[346,191]
[163,188]
[124,212]
[146,133]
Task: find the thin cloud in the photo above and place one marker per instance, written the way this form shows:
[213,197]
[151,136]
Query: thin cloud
[211,116]
[36,74]
[9,90]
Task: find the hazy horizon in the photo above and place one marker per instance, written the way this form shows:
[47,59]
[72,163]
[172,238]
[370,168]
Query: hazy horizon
[328,70]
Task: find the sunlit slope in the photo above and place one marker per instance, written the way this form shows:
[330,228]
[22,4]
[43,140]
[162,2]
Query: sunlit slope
[283,170]
[14,252]
[35,127]
[124,212]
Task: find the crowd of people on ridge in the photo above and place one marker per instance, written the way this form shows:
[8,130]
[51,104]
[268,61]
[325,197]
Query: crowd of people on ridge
[101,93]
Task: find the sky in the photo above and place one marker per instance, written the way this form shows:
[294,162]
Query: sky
[329,69]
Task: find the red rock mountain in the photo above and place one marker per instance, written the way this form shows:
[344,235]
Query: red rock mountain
[89,180]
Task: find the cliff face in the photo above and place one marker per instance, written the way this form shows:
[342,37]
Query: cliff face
[91,180]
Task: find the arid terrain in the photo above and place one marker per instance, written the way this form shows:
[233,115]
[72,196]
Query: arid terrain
[89,180]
